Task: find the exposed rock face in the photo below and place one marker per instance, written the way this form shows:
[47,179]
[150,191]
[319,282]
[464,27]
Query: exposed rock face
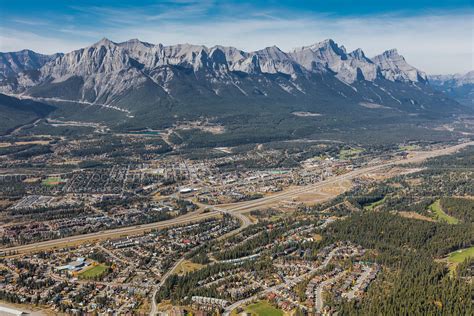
[394,67]
[13,63]
[458,86]
[138,74]
[105,57]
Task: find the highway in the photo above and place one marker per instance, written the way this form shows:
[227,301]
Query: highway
[290,193]
[123,231]
[235,209]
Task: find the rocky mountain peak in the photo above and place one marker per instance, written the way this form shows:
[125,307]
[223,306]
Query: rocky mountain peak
[391,53]
[359,54]
[104,42]
[103,65]
[394,67]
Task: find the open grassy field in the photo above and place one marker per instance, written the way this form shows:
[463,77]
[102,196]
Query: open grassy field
[456,257]
[440,215]
[51,181]
[461,255]
[93,272]
[263,308]
[348,153]
[409,147]
[371,206]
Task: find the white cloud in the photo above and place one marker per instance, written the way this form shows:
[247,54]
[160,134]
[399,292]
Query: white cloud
[433,43]
[13,40]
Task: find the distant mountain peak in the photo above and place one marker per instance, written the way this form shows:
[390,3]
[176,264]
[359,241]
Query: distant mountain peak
[151,81]
[136,41]
[327,44]
[13,63]
[103,64]
[104,42]
[391,53]
[358,53]
[394,67]
[458,86]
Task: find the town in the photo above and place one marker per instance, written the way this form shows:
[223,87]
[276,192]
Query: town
[152,232]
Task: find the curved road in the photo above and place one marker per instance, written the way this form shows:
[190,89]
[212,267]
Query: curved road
[228,310]
[234,209]
[244,223]
[154,307]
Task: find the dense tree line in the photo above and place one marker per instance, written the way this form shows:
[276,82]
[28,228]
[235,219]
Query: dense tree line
[392,234]
[179,289]
[460,208]
[465,269]
[463,159]
[248,247]
[419,287]
[412,283]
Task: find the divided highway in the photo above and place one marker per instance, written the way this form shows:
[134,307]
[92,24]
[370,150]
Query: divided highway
[235,209]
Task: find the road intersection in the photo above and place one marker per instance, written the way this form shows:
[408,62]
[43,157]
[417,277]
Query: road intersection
[235,209]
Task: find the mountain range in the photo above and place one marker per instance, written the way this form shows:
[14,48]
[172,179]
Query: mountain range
[460,87]
[135,84]
[139,60]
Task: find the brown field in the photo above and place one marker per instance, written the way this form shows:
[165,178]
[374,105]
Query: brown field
[31,180]
[311,198]
[324,193]
[415,181]
[414,215]
[144,308]
[337,188]
[32,142]
[5,203]
[68,162]
[166,306]
[317,237]
[387,173]
[470,197]
[158,197]
[187,266]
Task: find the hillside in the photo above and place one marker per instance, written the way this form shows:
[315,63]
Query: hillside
[253,95]
[15,112]
[459,87]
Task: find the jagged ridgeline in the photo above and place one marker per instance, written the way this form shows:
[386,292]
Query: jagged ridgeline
[460,87]
[262,95]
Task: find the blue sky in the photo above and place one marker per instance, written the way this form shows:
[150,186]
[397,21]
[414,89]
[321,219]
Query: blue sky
[435,36]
